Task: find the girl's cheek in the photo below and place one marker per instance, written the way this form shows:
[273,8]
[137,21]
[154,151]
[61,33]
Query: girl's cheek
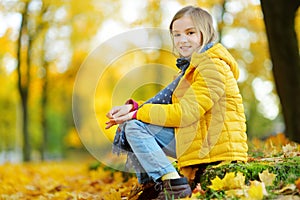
[177,48]
[176,44]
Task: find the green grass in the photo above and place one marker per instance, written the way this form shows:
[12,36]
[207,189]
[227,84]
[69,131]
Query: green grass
[287,171]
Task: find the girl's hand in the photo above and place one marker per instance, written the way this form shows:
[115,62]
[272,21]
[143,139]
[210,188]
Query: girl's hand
[119,120]
[118,111]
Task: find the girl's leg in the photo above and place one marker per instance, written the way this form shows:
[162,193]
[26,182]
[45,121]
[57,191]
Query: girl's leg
[150,145]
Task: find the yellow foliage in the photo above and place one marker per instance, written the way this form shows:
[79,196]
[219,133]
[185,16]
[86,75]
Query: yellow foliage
[297,182]
[256,191]
[235,193]
[230,181]
[113,195]
[267,178]
[274,145]
[60,180]
[277,140]
[72,139]
[217,184]
[290,150]
[234,185]
[286,190]
[234,182]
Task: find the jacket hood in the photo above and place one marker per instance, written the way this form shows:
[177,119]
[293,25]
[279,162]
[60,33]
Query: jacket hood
[220,52]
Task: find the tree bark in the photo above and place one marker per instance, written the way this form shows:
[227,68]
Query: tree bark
[44,82]
[23,88]
[279,18]
[44,146]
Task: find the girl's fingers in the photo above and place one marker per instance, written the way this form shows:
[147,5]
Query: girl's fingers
[110,124]
[113,111]
[124,118]
[118,111]
[118,120]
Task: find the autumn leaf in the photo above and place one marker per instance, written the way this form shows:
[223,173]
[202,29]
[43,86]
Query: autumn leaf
[217,184]
[198,189]
[288,189]
[61,180]
[230,181]
[267,178]
[256,191]
[235,193]
[113,195]
[297,182]
[234,182]
[290,150]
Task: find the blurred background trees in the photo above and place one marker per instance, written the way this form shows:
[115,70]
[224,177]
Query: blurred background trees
[44,42]
[284,50]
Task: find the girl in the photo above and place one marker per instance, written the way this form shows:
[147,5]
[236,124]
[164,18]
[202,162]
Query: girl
[198,119]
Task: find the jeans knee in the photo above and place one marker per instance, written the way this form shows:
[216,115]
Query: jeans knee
[133,128]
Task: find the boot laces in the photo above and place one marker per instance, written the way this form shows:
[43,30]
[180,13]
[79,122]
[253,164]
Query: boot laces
[158,186]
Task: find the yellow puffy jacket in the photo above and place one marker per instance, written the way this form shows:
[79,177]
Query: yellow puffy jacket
[207,111]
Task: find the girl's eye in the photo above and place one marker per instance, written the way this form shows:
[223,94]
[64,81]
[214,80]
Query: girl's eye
[176,35]
[191,33]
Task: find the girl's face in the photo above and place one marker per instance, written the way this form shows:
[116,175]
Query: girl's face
[186,38]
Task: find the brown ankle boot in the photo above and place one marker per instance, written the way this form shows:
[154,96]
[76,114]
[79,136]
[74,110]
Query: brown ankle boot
[174,189]
[150,191]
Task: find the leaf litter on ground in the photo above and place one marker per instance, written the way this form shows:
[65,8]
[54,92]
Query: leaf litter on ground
[272,172]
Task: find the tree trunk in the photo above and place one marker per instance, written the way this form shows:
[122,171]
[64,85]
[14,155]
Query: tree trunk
[44,112]
[279,17]
[23,88]
[44,80]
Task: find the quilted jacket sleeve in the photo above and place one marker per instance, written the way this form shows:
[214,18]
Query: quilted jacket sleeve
[201,87]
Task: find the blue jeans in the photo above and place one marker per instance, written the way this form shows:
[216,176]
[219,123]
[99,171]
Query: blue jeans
[151,145]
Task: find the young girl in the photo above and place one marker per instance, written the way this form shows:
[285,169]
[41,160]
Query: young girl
[198,119]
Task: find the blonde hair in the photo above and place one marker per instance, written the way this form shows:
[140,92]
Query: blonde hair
[202,20]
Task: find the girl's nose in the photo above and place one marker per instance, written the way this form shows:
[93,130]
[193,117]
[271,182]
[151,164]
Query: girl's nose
[183,38]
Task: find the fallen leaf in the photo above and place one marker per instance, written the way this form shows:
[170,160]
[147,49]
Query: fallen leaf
[217,184]
[288,197]
[290,150]
[257,190]
[267,178]
[288,189]
[297,182]
[236,182]
[198,189]
[189,172]
[230,181]
[235,193]
[113,195]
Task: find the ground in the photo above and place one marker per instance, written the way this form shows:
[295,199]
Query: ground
[272,172]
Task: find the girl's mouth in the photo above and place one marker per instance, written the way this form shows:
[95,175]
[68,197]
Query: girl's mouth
[185,48]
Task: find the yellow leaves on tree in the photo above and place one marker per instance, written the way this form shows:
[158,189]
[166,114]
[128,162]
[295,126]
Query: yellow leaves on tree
[72,139]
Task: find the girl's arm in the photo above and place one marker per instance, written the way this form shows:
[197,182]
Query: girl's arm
[194,99]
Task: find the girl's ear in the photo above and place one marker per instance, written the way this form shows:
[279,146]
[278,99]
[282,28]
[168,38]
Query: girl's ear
[201,38]
[201,43]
